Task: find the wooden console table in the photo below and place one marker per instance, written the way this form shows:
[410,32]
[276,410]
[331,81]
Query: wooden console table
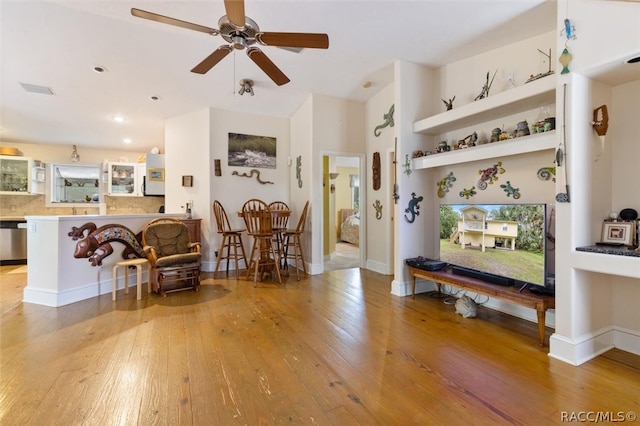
[540,303]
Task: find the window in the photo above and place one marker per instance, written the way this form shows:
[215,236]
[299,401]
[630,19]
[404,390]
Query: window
[75,183]
[354,183]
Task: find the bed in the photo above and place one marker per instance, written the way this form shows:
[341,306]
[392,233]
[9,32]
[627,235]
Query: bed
[350,226]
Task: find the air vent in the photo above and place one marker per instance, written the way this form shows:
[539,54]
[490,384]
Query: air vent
[37,89]
[292,49]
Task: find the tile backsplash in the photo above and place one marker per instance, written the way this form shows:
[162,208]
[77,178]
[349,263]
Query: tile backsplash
[26,205]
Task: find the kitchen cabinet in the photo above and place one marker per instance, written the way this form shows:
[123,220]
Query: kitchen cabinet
[125,179]
[15,174]
[38,177]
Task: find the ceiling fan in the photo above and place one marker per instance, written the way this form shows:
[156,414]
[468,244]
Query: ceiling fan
[242,32]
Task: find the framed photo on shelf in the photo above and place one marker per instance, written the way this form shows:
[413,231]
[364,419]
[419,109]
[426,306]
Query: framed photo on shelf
[187,180]
[617,233]
[155,175]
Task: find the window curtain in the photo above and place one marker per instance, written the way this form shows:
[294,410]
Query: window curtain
[354,181]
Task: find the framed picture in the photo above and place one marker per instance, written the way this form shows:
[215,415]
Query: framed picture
[187,180]
[155,175]
[252,151]
[617,233]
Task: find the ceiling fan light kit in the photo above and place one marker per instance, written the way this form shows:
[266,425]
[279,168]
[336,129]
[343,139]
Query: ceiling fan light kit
[242,32]
[246,86]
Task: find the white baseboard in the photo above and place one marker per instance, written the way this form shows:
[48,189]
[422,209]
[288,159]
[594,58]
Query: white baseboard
[379,267]
[582,349]
[47,297]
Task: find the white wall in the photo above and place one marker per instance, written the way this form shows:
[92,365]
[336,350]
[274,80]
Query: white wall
[188,153]
[337,129]
[595,308]
[302,189]
[379,231]
[412,86]
[194,140]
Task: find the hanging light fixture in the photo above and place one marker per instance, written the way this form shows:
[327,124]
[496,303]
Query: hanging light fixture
[74,155]
[246,86]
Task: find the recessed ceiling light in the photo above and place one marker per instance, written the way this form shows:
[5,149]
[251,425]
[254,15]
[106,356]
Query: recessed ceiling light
[126,140]
[154,98]
[99,69]
[366,84]
[634,60]
[119,119]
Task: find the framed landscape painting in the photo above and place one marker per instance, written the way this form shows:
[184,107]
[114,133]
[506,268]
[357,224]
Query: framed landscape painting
[256,152]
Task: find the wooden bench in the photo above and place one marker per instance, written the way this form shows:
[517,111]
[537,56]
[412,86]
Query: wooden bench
[541,303]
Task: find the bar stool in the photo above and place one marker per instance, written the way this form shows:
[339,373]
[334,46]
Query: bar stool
[257,218]
[279,223]
[138,263]
[292,241]
[231,241]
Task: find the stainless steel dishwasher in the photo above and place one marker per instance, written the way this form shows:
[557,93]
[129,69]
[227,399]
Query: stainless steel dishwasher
[13,243]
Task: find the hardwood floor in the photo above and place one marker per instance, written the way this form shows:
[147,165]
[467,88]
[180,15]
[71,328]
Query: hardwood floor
[334,349]
[346,256]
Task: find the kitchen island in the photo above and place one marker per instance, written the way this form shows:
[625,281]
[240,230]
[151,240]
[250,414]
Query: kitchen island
[59,270]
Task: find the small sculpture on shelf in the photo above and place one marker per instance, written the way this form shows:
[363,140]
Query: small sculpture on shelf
[487,86]
[449,103]
[443,146]
[522,129]
[540,75]
[495,134]
[468,141]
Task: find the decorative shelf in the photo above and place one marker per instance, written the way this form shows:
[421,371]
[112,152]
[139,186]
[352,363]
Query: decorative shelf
[528,96]
[610,264]
[523,145]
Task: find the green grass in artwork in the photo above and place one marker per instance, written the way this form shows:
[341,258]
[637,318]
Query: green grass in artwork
[239,143]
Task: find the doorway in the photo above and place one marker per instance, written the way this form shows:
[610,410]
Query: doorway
[341,209]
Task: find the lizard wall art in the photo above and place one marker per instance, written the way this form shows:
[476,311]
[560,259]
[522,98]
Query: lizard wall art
[96,244]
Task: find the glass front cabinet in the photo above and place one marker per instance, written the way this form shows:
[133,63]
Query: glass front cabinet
[15,175]
[125,179]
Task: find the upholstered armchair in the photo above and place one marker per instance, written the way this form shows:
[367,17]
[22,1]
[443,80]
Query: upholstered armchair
[175,261]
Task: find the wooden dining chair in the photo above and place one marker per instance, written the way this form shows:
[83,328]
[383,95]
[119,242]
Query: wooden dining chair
[293,245]
[230,243]
[279,223]
[257,218]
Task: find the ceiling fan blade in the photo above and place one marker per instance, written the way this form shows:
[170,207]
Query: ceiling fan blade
[211,60]
[267,66]
[235,12]
[311,40]
[172,21]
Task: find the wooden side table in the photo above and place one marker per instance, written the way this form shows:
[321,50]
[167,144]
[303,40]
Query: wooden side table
[138,263]
[194,229]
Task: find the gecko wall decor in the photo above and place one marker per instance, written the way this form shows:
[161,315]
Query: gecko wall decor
[414,208]
[388,121]
[96,245]
[378,206]
[299,170]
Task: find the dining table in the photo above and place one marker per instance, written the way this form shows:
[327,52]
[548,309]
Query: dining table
[265,223]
